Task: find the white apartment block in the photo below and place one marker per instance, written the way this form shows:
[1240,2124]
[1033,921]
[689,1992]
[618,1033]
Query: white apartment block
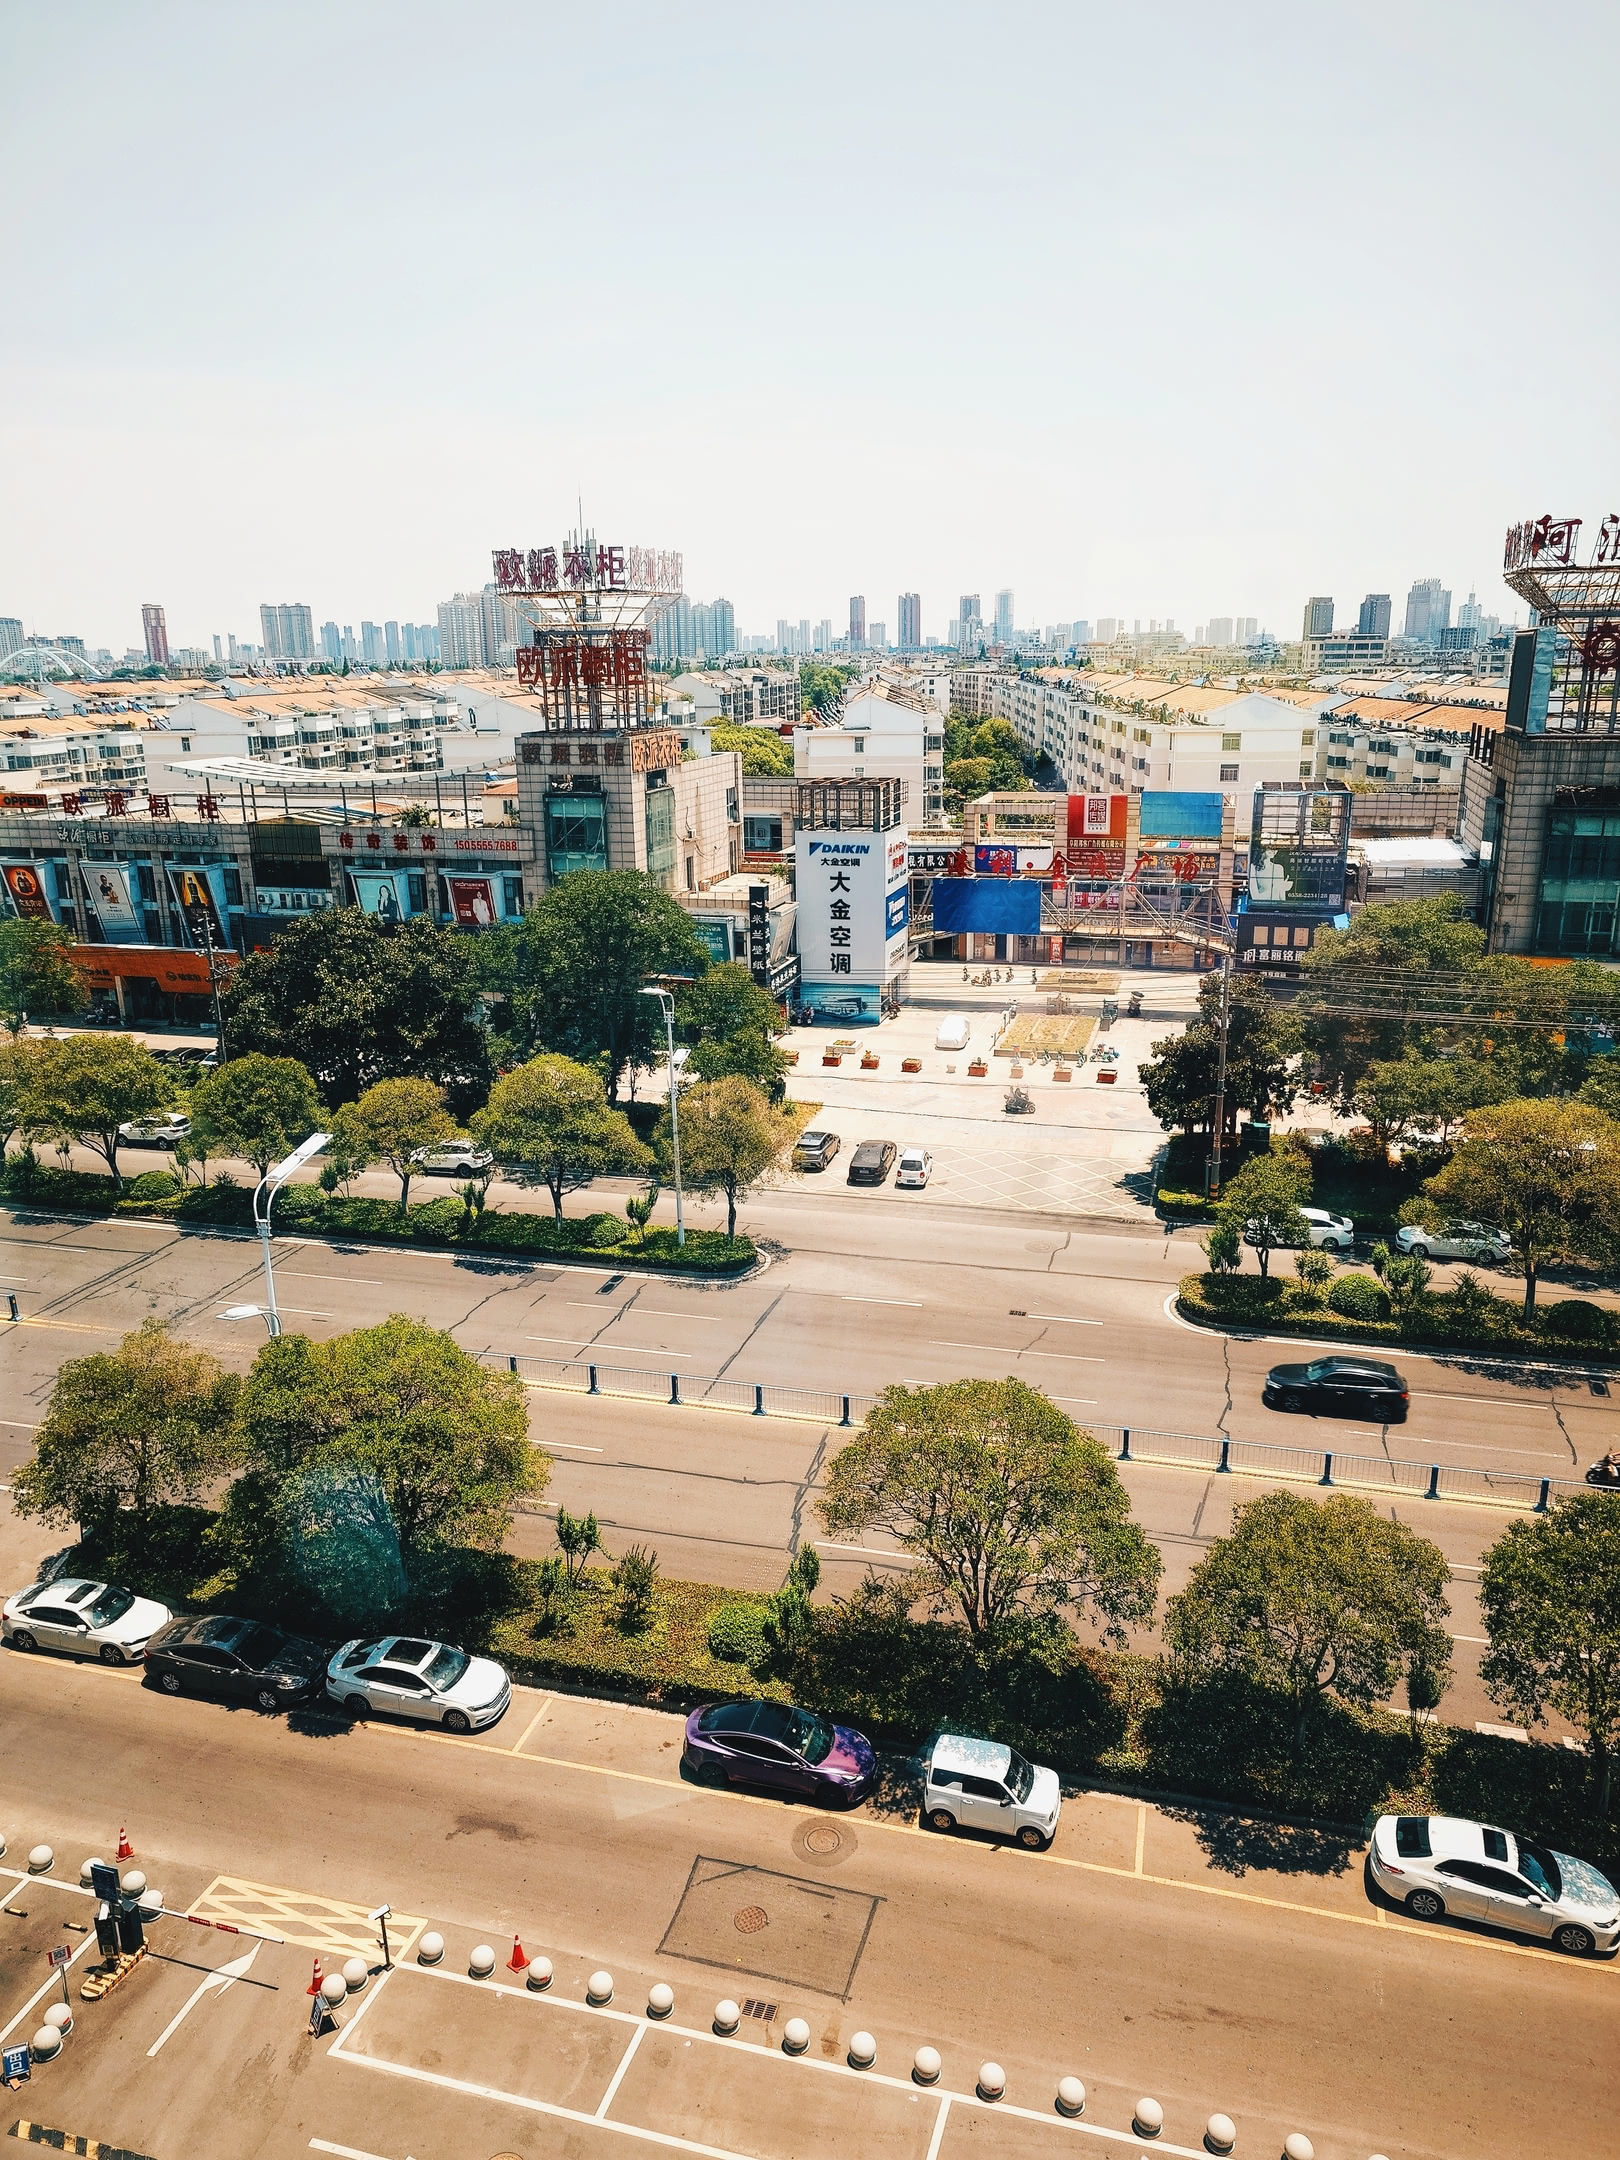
[885,732]
[45,753]
[1390,756]
[740,697]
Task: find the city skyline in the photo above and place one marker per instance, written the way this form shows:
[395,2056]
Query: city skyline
[1085,470]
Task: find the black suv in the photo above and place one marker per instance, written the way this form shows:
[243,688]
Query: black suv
[871,1162]
[1365,1386]
[239,1660]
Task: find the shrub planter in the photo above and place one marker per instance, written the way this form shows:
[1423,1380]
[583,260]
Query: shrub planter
[911,1064]
[792,1056]
[1063,1072]
[1107,1076]
[831,1057]
[1017,1071]
[978,1070]
[869,1061]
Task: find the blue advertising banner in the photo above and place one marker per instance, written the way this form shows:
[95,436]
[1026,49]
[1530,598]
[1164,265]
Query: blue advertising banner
[1001,907]
[1170,814]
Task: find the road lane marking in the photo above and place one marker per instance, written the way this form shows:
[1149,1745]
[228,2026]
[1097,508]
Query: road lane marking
[21,1424]
[848,1299]
[596,1343]
[307,1312]
[1065,1319]
[578,1447]
[617,2078]
[375,1282]
[54,1981]
[1066,1357]
[867,1552]
[1141,1835]
[342,2152]
[517,1744]
[224,1978]
[1471,1638]
[329,1925]
[1089,1401]
[938,2137]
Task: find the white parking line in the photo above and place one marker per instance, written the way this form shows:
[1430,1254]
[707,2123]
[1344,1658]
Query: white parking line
[344,2152]
[848,1299]
[375,1282]
[1066,1319]
[1067,1357]
[624,1348]
[866,1552]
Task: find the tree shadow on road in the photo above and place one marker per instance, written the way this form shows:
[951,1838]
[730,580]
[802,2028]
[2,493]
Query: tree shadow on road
[1238,1844]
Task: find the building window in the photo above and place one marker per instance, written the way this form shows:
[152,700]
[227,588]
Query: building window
[1229,772]
[576,834]
[512,888]
[416,889]
[691,873]
[660,815]
[1231,742]
[762,835]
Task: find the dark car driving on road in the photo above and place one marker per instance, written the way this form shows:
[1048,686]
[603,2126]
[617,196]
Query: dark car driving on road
[238,1660]
[795,1752]
[1365,1386]
[871,1162]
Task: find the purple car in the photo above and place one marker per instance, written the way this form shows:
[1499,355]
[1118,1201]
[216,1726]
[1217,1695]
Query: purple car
[770,1743]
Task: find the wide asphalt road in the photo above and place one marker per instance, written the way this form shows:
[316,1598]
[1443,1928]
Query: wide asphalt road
[1208,1964]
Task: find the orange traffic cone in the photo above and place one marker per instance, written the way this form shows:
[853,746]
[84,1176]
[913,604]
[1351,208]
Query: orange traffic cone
[519,1957]
[126,1850]
[314,1987]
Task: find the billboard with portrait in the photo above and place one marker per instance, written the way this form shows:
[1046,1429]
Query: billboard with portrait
[26,890]
[107,889]
[472,902]
[382,893]
[199,894]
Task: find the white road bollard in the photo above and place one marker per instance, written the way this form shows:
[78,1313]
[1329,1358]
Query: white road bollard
[926,2066]
[862,2051]
[599,1988]
[482,1962]
[795,2037]
[61,2016]
[1071,2096]
[660,2000]
[46,2043]
[1297,2146]
[727,2016]
[992,2081]
[539,1974]
[40,1859]
[356,1972]
[430,1949]
[151,1904]
[133,1883]
[84,1872]
[1148,2120]
[334,1990]
[1220,2134]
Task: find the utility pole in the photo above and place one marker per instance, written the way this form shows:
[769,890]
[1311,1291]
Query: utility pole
[667,1007]
[1214,1164]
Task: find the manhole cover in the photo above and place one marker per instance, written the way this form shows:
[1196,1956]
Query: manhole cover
[751,1919]
[823,1839]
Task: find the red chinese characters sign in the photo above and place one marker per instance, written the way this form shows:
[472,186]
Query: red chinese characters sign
[588,567]
[1546,540]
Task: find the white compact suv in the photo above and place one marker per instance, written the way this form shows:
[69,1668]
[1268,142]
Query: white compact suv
[985,1786]
[1440,1864]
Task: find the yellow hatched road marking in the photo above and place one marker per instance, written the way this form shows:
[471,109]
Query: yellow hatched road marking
[317,1923]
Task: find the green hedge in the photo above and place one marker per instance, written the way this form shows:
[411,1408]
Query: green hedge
[441,1222]
[1445,1320]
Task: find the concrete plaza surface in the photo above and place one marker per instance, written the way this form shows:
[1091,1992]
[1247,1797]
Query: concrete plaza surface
[1207,1961]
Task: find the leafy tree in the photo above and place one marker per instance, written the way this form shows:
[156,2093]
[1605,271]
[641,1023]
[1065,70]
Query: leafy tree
[1402,1096]
[761,749]
[1549,1595]
[551,1118]
[1311,1598]
[20,1061]
[1223,1247]
[86,1086]
[822,683]
[1547,1174]
[395,1118]
[635,1577]
[36,974]
[1404,953]
[586,950]
[578,1536]
[968,777]
[750,1054]
[146,1425]
[1314,1269]
[1406,1276]
[258,1108]
[1263,1202]
[356,1002]
[732,1136]
[446,1439]
[726,1001]
[1600,1090]
[1007,1508]
[1262,1043]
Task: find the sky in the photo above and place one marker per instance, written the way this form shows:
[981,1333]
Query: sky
[1162,311]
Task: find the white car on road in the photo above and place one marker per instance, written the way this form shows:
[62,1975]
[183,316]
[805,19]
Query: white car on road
[1333,1233]
[161,1131]
[407,1676]
[92,1619]
[1440,1864]
[916,1167]
[982,1785]
[1455,1241]
[453,1158]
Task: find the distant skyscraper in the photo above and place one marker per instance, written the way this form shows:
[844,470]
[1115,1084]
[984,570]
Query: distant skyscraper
[219,657]
[1107,629]
[1318,617]
[910,622]
[11,634]
[784,635]
[1004,617]
[1428,610]
[1247,630]
[287,632]
[723,625]
[1373,620]
[1471,616]
[331,641]
[391,642]
[157,634]
[857,622]
[967,609]
[879,640]
[461,631]
[1219,631]
[373,649]
[824,634]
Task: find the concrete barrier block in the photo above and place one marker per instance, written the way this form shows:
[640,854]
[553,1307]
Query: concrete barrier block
[1297,2146]
[334,1990]
[727,2016]
[133,1884]
[84,1872]
[46,2043]
[61,2016]
[356,1972]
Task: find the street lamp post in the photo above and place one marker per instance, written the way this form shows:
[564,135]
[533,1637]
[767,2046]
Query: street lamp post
[667,1005]
[269,1185]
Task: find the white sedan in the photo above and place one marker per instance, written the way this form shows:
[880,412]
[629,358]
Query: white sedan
[916,1167]
[1455,1241]
[93,1619]
[1332,1233]
[1440,1864]
[432,1683]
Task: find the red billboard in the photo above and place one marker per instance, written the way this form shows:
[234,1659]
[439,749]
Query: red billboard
[472,902]
[27,893]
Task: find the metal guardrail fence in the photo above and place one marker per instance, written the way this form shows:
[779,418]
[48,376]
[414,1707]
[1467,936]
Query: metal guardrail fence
[1400,1479]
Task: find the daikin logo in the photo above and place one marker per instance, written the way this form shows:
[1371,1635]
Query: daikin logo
[840,847]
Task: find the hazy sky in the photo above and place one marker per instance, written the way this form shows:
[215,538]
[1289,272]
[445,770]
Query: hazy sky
[1161,310]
